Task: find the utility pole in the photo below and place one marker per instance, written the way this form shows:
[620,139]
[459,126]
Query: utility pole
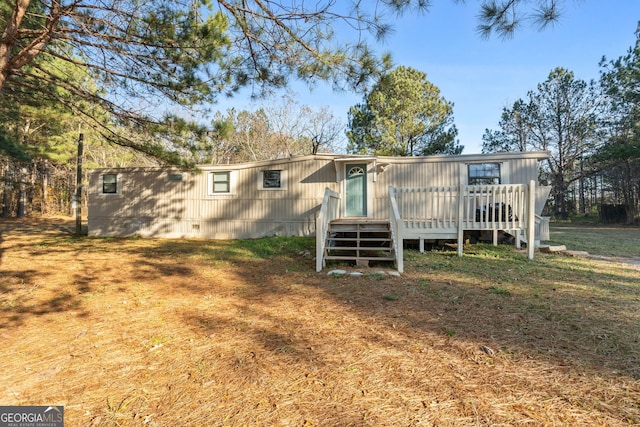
[78,195]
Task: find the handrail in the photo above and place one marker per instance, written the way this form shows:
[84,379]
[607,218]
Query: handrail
[531,219]
[329,211]
[501,206]
[452,209]
[473,207]
[397,225]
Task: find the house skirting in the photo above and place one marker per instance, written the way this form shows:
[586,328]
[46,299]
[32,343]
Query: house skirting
[197,228]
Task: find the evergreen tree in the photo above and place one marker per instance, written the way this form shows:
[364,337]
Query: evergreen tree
[514,132]
[152,58]
[560,117]
[403,115]
[619,157]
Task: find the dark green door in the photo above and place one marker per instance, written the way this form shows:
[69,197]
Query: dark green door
[356,190]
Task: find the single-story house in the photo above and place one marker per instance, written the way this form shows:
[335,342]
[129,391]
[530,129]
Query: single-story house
[285,196]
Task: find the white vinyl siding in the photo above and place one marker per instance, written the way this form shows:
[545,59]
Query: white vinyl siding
[153,202]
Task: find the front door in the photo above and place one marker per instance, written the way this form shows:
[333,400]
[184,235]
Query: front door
[356,190]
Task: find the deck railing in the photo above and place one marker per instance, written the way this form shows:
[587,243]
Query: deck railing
[446,212]
[329,211]
[491,207]
[397,230]
[476,207]
[428,207]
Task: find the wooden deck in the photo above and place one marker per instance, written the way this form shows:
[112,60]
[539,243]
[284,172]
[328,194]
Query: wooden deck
[438,213]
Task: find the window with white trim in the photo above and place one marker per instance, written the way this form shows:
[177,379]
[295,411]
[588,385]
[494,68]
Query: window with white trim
[272,179]
[110,183]
[220,182]
[484,173]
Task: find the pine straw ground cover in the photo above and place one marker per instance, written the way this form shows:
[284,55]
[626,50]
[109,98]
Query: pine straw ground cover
[136,332]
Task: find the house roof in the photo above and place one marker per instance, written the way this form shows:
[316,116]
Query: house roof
[343,158]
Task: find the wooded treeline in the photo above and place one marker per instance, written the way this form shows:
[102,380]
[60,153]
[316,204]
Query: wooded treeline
[592,132]
[38,174]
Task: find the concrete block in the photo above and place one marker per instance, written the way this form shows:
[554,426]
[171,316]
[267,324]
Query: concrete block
[552,249]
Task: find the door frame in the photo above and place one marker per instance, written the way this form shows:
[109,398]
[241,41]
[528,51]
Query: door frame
[366,186]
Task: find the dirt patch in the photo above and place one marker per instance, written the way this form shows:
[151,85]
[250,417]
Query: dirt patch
[634,262]
[135,332]
[621,260]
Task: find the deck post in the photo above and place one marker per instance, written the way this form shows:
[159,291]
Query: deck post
[460,219]
[328,212]
[531,220]
[319,244]
[400,256]
[397,229]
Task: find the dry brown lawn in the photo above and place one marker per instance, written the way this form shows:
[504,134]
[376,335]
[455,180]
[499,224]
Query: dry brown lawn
[137,332]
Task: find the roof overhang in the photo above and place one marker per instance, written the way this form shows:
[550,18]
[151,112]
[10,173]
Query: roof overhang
[340,162]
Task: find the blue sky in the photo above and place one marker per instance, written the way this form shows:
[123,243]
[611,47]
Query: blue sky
[481,76]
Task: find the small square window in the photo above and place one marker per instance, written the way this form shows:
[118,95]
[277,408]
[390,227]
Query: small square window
[110,183]
[220,182]
[484,174]
[271,179]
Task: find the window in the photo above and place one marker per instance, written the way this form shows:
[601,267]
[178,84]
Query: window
[271,179]
[110,183]
[175,177]
[484,174]
[220,182]
[356,171]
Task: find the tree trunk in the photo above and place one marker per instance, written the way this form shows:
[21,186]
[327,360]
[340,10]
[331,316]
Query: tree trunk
[628,192]
[9,35]
[32,196]
[582,198]
[560,197]
[78,195]
[22,197]
[5,194]
[45,188]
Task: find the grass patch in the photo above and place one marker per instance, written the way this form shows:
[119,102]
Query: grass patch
[499,291]
[273,246]
[390,297]
[598,240]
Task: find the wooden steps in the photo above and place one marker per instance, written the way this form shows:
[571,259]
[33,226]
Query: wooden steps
[359,239]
